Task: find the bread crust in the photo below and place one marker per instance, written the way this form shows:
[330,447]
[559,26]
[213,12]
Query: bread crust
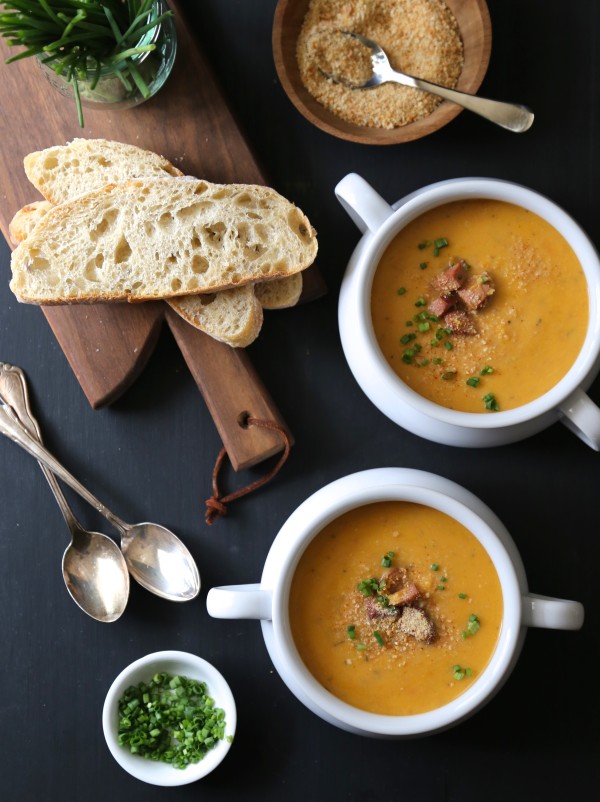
[152,238]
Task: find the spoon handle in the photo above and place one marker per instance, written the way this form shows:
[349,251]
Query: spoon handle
[511,116]
[14,430]
[13,391]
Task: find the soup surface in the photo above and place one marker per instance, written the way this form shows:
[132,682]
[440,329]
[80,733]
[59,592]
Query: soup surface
[395,608]
[522,338]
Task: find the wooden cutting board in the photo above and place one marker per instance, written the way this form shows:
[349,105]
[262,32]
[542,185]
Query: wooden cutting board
[107,345]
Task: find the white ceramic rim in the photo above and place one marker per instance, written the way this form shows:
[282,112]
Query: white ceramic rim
[143,669]
[482,688]
[374,244]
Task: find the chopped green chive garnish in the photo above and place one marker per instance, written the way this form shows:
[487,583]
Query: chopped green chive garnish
[360,646]
[407,338]
[378,638]
[437,361]
[408,323]
[462,595]
[420,301]
[473,625]
[439,335]
[473,381]
[422,245]
[448,345]
[401,290]
[368,587]
[386,560]
[171,719]
[351,630]
[423,265]
[449,375]
[438,244]
[444,579]
[460,673]
[441,587]
[424,362]
[489,399]
[424,326]
[434,567]
[486,369]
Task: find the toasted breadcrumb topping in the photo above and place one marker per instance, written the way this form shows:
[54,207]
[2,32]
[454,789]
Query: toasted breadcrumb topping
[420,37]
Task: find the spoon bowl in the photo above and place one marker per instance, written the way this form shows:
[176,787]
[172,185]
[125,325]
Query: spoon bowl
[160,562]
[96,575]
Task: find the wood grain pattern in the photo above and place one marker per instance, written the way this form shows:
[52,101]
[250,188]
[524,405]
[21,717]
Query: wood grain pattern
[190,123]
[241,393]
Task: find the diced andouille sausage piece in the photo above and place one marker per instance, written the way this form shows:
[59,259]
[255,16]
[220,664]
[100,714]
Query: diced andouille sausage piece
[377,610]
[409,593]
[398,588]
[393,579]
[417,623]
[441,305]
[460,322]
[478,291]
[451,279]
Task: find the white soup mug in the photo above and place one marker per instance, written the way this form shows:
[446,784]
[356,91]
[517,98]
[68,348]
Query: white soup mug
[269,600]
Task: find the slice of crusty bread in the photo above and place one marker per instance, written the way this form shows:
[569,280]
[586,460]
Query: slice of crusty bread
[280,293]
[277,294]
[154,238]
[62,172]
[26,219]
[232,316]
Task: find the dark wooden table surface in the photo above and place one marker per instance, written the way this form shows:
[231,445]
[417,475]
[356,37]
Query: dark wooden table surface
[150,455]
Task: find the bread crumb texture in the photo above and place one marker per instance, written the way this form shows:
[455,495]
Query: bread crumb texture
[63,172]
[420,37]
[161,237]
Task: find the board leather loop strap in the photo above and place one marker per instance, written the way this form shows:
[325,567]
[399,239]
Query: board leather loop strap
[216,505]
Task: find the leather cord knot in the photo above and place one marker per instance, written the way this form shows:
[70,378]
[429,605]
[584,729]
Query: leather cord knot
[216,505]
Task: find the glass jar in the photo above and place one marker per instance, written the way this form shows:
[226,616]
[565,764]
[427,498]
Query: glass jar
[110,91]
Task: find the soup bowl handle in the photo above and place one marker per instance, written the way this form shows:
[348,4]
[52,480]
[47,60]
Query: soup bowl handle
[367,210]
[546,612]
[240,601]
[582,416]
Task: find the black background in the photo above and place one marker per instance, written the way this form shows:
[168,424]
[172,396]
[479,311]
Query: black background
[150,455]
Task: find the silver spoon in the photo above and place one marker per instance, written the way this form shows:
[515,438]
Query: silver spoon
[507,115]
[93,566]
[155,557]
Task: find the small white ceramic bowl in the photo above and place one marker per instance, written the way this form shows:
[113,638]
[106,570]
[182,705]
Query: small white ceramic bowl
[142,670]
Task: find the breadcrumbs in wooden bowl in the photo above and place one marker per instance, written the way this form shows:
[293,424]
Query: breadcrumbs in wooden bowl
[444,41]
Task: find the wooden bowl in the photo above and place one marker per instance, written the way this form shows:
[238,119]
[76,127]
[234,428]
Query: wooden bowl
[476,31]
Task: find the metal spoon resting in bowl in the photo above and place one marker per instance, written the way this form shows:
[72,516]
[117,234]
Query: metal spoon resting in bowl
[511,116]
[155,557]
[93,566]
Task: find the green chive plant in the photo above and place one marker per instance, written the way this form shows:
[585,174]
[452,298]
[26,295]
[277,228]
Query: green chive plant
[86,42]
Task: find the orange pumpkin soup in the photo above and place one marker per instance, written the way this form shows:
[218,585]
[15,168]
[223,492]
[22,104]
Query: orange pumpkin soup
[480,305]
[395,608]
